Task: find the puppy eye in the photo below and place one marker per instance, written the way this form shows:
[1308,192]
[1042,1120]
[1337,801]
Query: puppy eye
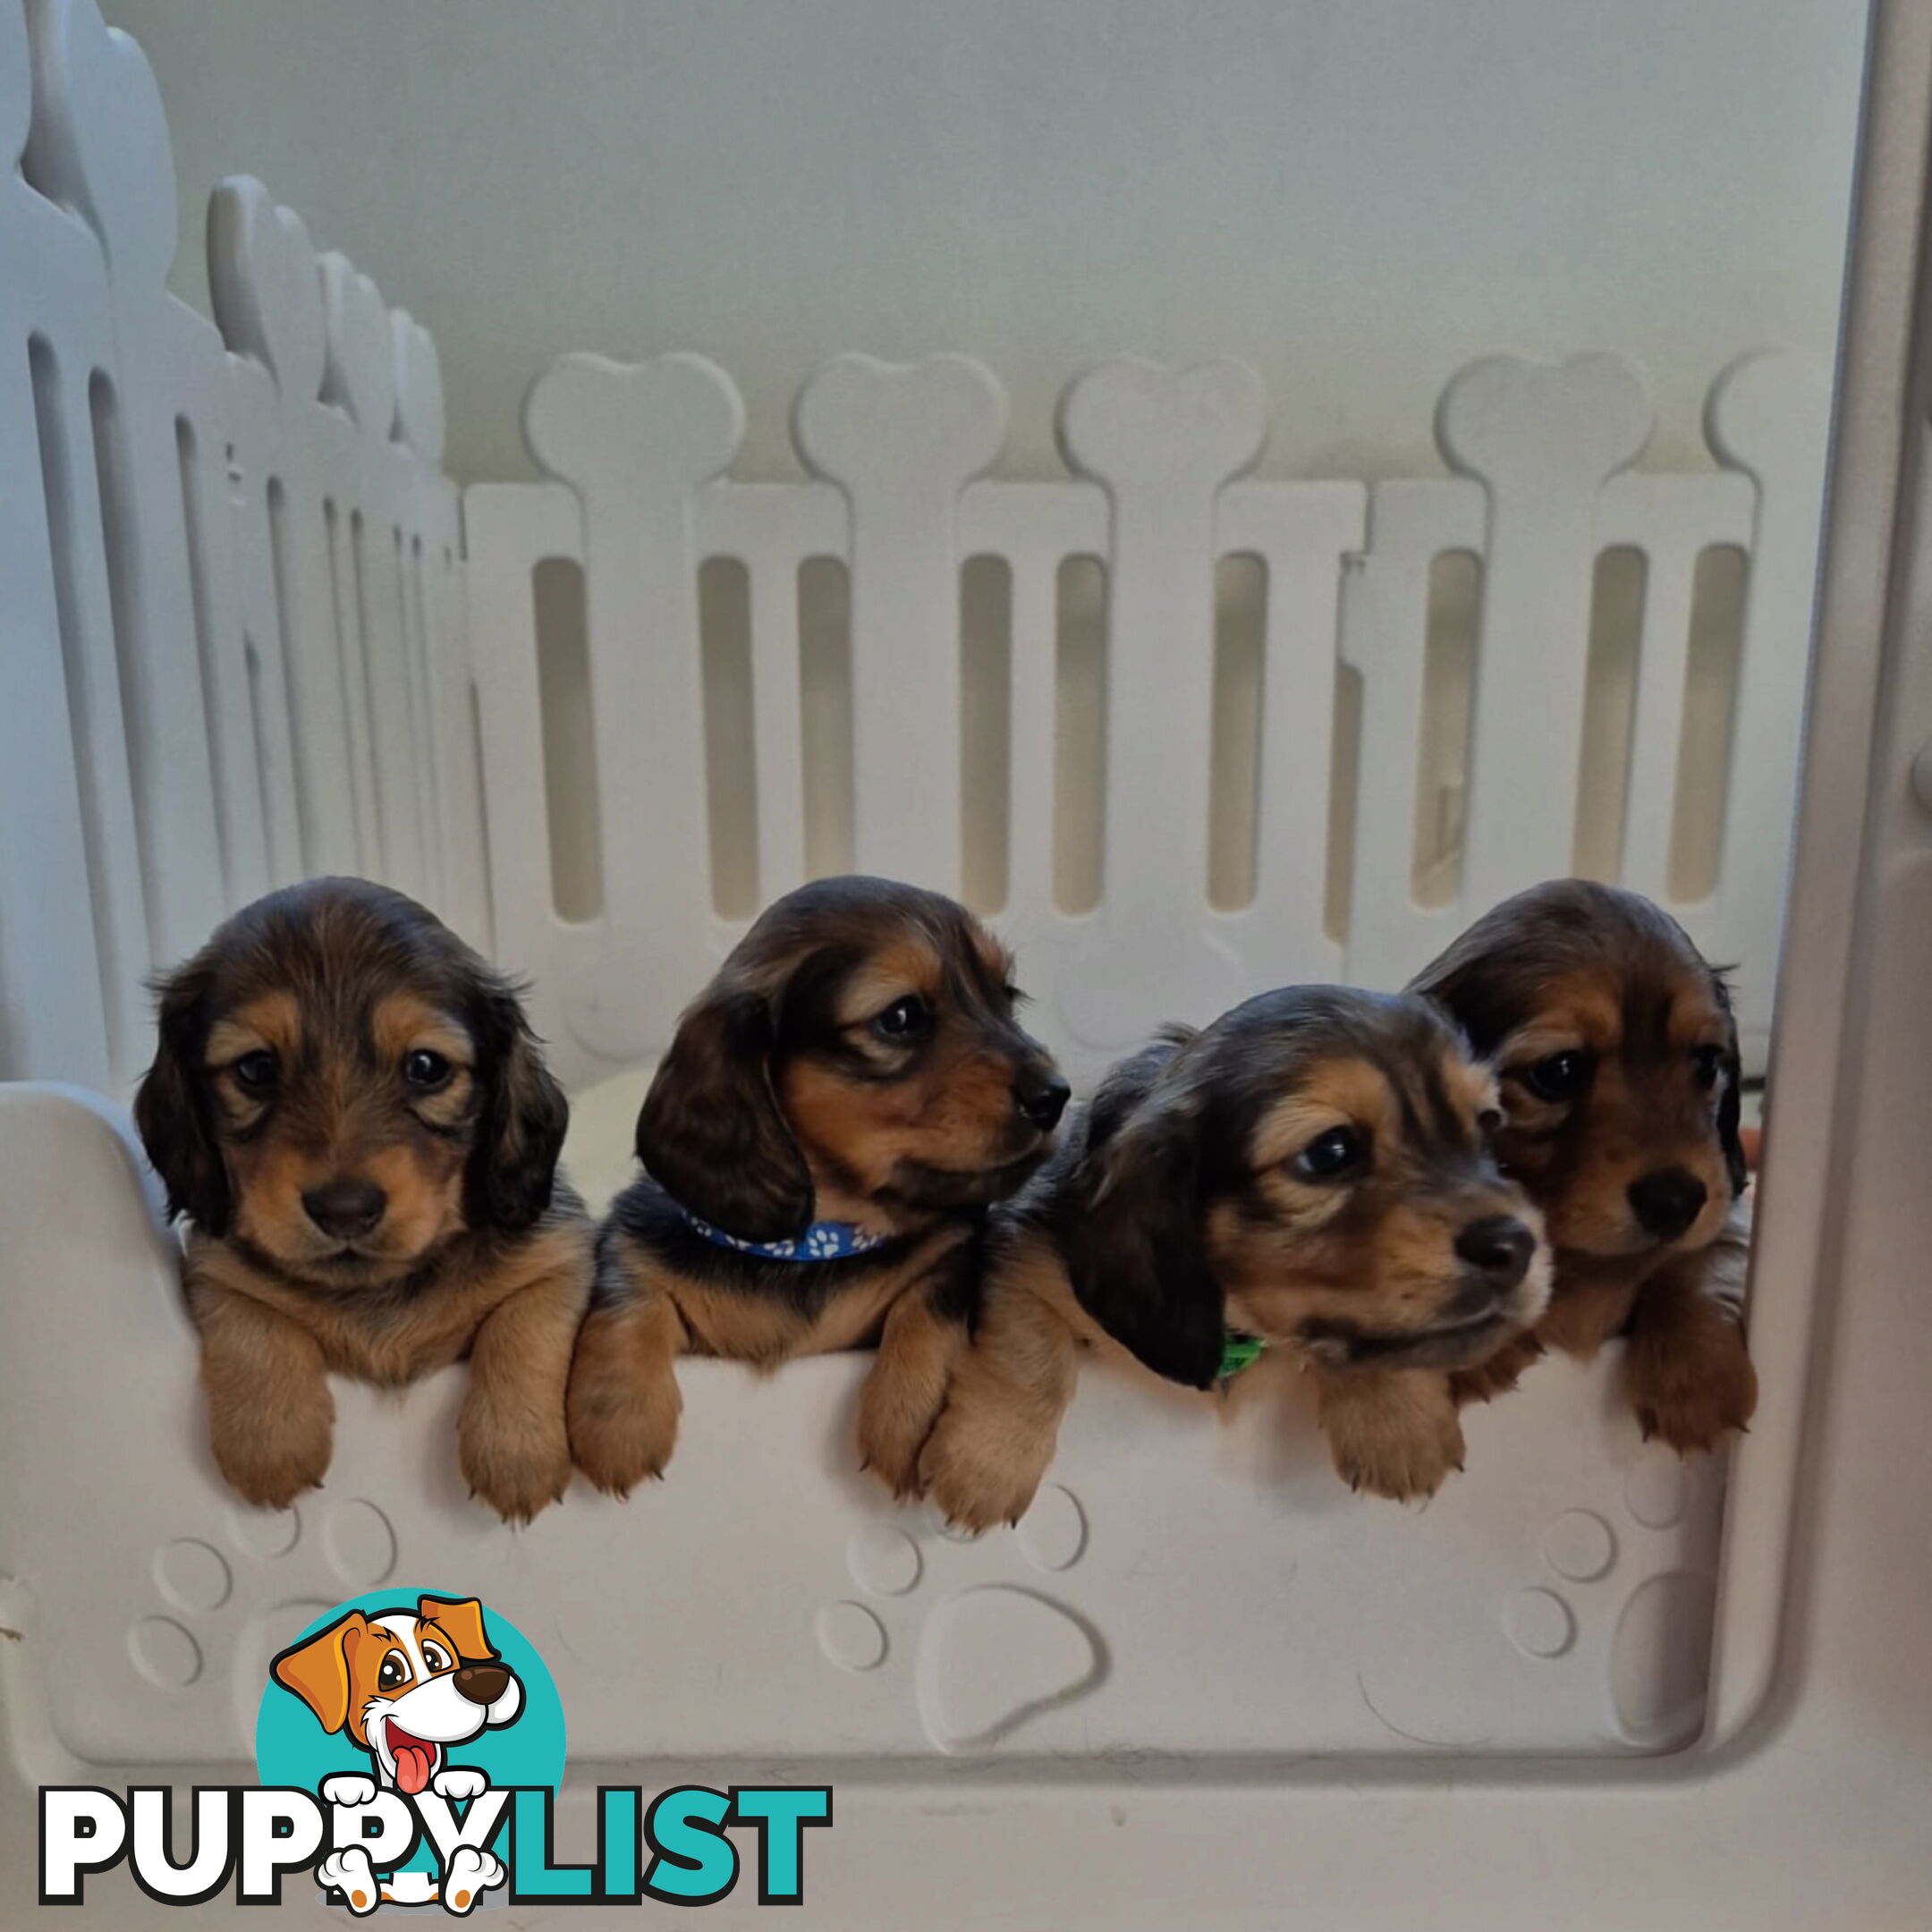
[1015,996]
[1490,1122]
[1560,1076]
[424,1071]
[904,1019]
[434,1656]
[1330,1155]
[1708,1064]
[255,1072]
[391,1673]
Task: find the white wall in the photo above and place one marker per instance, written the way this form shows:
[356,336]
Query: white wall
[1355,195]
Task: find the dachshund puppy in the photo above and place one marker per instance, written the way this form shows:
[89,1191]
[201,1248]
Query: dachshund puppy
[1313,1170]
[349,1110]
[1618,1063]
[837,1111]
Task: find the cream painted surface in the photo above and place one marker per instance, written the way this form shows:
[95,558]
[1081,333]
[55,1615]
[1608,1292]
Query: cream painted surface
[1357,198]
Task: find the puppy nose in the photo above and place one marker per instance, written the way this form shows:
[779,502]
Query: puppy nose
[345,1208]
[1667,1202]
[1041,1095]
[1499,1245]
[481,1683]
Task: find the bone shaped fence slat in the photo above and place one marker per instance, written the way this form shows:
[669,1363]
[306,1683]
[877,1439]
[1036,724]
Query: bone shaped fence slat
[636,442]
[267,295]
[57,958]
[902,442]
[99,146]
[1544,441]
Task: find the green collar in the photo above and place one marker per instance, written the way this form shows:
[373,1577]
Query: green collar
[1239,1351]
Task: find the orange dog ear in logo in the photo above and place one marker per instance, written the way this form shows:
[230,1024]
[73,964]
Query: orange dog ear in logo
[461,1623]
[317,1670]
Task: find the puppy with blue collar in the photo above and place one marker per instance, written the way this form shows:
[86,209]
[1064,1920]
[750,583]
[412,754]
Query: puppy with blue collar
[838,1111]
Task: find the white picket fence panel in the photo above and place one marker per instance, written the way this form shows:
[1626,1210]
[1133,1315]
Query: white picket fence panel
[638,455]
[233,652]
[252,635]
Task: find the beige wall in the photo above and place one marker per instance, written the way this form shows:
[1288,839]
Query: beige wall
[1356,195]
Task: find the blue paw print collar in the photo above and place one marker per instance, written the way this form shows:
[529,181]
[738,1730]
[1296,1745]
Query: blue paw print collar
[823,1241]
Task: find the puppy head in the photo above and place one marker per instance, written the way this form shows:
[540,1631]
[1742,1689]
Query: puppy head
[856,1059]
[404,1683]
[341,1085]
[1314,1168]
[1618,1063]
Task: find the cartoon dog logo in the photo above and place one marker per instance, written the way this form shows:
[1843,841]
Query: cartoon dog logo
[404,1686]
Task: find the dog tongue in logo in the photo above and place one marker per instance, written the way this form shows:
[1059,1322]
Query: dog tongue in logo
[414,1759]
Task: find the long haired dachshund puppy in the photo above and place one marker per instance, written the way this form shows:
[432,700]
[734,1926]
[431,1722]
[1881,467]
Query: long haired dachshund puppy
[349,1110]
[837,1111]
[1312,1170]
[1618,1061]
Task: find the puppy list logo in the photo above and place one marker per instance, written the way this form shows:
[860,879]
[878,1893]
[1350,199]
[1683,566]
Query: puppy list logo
[411,1746]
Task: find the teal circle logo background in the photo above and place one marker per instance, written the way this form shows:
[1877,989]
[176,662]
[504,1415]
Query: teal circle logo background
[291,1747]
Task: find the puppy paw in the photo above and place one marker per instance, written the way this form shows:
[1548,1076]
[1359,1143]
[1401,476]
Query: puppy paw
[980,1468]
[349,1788]
[349,1873]
[892,1432]
[1691,1387]
[269,1459]
[459,1782]
[1497,1375]
[516,1466]
[470,1874]
[621,1436]
[1394,1435]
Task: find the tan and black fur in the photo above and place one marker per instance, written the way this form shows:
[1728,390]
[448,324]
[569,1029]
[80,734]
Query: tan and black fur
[347,1109]
[1618,1066]
[1313,1169]
[856,1060]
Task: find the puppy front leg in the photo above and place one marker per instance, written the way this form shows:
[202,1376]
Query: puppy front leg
[624,1401]
[271,1417]
[510,1439]
[906,1389]
[1686,1370]
[994,1438]
[1392,1432]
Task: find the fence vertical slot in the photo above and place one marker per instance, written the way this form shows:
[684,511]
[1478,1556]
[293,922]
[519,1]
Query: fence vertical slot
[730,758]
[1344,771]
[192,528]
[825,714]
[1704,748]
[1617,593]
[57,483]
[1235,766]
[1080,735]
[1448,707]
[986,731]
[564,698]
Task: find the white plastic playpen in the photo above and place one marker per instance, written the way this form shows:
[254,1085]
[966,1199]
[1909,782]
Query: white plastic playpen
[253,633]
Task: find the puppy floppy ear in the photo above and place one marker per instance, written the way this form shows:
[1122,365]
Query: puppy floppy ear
[512,1165]
[316,1669]
[172,1108]
[1730,1109]
[461,1621]
[1135,1255]
[711,1132]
